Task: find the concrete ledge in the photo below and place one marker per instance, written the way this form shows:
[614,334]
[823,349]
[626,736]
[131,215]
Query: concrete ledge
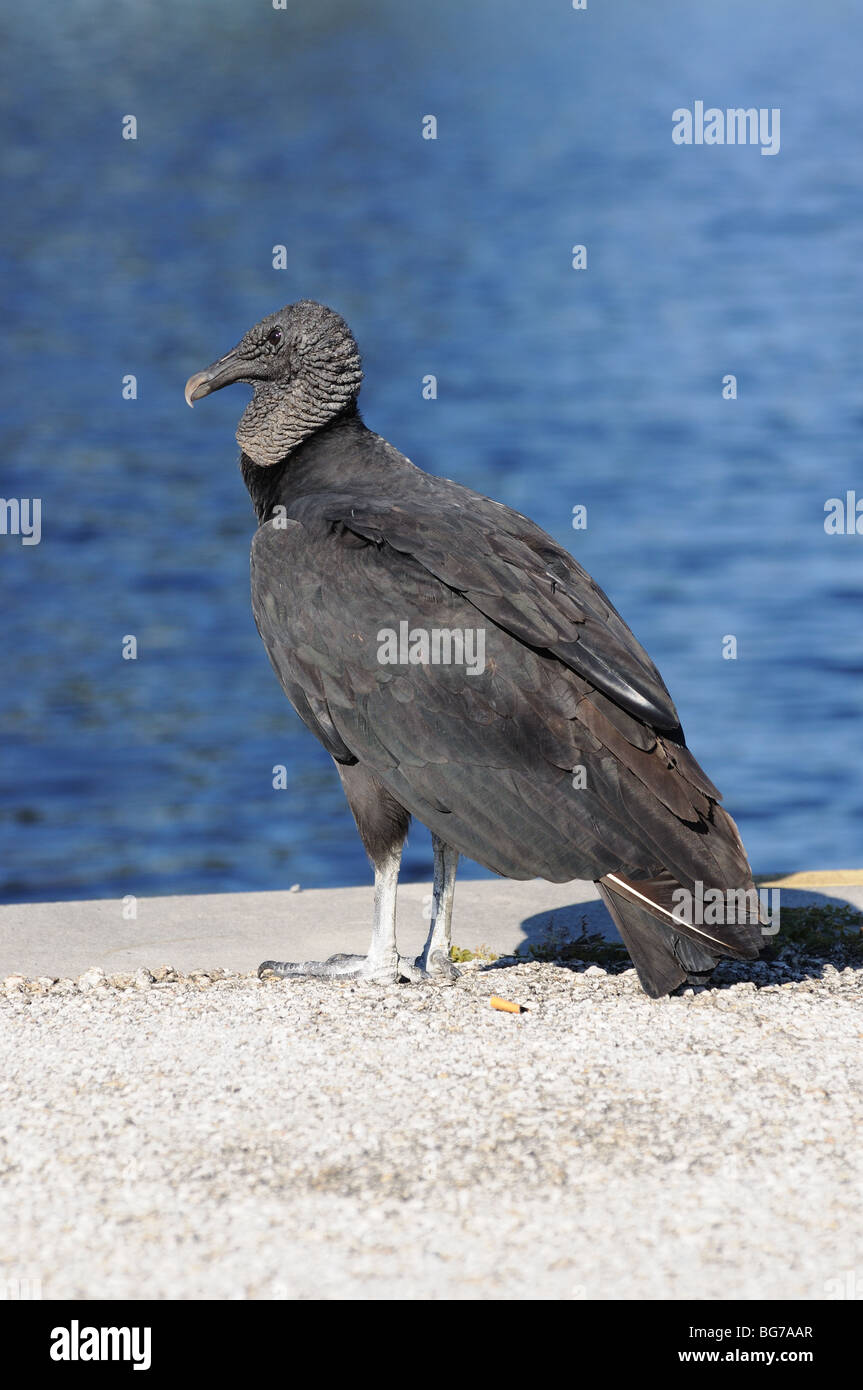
[819,878]
[238,930]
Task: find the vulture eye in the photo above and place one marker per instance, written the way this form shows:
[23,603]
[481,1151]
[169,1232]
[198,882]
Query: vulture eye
[274,336]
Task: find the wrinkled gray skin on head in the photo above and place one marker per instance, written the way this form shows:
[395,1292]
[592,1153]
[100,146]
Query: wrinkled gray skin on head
[301,380]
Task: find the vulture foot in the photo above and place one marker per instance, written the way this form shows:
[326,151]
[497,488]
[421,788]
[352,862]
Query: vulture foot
[341,967]
[437,969]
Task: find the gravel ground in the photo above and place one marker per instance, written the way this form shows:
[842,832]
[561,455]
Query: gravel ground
[214,1136]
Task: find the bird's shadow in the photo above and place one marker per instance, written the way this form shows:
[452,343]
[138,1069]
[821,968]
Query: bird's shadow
[814,931]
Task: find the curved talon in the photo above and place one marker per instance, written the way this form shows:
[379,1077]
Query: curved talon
[440,966]
[299,969]
[273,967]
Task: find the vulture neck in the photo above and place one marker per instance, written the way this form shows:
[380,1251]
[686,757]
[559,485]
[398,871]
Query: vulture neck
[330,459]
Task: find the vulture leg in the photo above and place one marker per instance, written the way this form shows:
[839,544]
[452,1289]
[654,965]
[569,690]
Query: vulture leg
[383,825]
[382,963]
[435,963]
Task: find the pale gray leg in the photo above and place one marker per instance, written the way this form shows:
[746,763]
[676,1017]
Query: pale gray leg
[435,960]
[382,962]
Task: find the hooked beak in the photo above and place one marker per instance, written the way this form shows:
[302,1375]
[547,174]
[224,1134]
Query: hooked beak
[230,368]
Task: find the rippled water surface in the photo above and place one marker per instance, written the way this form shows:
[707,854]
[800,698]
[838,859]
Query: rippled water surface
[603,387]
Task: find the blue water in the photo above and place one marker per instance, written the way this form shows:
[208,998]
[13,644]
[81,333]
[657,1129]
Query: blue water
[452,257]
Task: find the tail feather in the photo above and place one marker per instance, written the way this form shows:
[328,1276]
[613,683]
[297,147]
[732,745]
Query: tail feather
[667,953]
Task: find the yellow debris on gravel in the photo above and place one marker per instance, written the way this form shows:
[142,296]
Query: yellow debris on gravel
[506,1006]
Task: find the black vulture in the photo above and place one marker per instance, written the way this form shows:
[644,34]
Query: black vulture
[462,668]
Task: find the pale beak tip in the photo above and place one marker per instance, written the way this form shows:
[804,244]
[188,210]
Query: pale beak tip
[191,387]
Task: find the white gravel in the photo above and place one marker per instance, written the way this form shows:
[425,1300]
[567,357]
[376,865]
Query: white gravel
[200,1137]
